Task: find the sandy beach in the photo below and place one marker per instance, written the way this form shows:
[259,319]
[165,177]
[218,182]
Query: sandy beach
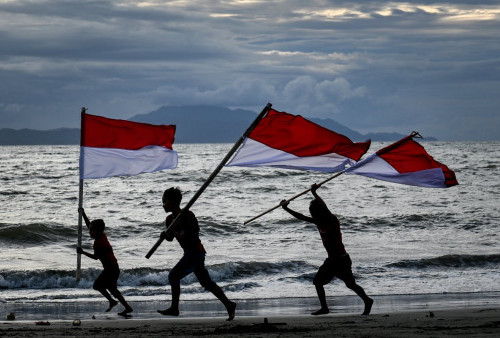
[424,315]
[470,322]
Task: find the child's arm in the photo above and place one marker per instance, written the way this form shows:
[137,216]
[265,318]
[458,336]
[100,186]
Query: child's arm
[171,235]
[315,187]
[87,221]
[298,215]
[88,254]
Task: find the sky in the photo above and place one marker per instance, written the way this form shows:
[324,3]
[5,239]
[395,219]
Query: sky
[374,66]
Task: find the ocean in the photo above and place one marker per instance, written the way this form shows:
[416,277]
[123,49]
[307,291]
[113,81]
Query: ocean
[403,240]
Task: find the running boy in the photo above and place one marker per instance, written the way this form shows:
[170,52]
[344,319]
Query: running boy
[338,264]
[103,251]
[193,260]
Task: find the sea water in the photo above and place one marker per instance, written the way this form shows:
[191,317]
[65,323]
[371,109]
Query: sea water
[401,239]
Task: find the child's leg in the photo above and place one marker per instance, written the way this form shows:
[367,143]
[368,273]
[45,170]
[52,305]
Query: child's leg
[209,285]
[173,310]
[320,290]
[217,292]
[323,276]
[112,302]
[114,291]
[112,287]
[183,268]
[361,293]
[100,285]
[345,274]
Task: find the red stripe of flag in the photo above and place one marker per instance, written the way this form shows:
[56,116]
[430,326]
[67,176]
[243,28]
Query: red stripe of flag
[101,132]
[300,137]
[408,156]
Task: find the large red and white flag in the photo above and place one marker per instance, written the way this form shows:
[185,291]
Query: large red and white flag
[405,162]
[110,147]
[288,141]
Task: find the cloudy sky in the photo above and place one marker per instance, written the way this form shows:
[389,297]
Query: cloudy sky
[431,66]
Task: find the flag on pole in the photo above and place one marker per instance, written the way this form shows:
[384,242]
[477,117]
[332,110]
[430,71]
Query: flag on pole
[405,162]
[290,141]
[110,147]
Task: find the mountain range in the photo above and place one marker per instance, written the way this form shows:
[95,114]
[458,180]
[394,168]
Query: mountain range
[195,124]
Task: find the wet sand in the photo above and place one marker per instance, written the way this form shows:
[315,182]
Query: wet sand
[470,322]
[430,315]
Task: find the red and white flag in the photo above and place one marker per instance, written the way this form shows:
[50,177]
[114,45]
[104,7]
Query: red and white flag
[111,147]
[288,141]
[405,162]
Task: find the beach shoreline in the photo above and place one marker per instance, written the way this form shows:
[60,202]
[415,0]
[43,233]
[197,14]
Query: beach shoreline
[253,307]
[429,315]
[470,322]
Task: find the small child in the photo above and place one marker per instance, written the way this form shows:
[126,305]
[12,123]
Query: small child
[338,264]
[103,251]
[193,260]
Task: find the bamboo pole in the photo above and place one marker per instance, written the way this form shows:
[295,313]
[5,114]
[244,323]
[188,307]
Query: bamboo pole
[79,256]
[80,205]
[292,198]
[235,147]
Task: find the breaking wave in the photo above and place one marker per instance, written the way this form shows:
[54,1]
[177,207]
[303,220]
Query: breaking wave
[140,277]
[449,261]
[34,233]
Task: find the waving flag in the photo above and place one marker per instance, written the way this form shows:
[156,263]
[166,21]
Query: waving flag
[116,147]
[287,141]
[405,162]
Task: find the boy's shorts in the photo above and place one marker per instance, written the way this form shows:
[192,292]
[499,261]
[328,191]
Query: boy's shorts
[191,262]
[339,267]
[108,279]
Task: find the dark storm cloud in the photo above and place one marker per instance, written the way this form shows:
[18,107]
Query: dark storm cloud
[372,65]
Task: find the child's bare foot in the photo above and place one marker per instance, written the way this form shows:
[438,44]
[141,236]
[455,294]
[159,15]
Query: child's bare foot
[322,311]
[231,310]
[169,312]
[112,304]
[125,313]
[368,307]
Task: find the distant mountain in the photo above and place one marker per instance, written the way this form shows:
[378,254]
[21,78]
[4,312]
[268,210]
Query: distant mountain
[203,124]
[195,124]
[60,136]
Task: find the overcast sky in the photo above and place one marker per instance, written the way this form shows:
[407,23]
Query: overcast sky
[371,65]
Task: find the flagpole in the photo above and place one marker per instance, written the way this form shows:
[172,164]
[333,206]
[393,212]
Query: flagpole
[294,197]
[80,205]
[235,147]
[79,256]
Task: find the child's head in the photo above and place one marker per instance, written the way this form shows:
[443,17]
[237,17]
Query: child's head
[173,195]
[96,228]
[319,211]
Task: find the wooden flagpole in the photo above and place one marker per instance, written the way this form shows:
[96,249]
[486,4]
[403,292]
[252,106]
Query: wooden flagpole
[79,256]
[80,205]
[294,197]
[176,221]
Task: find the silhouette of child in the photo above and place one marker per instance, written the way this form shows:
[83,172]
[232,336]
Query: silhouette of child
[103,251]
[338,264]
[193,260]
